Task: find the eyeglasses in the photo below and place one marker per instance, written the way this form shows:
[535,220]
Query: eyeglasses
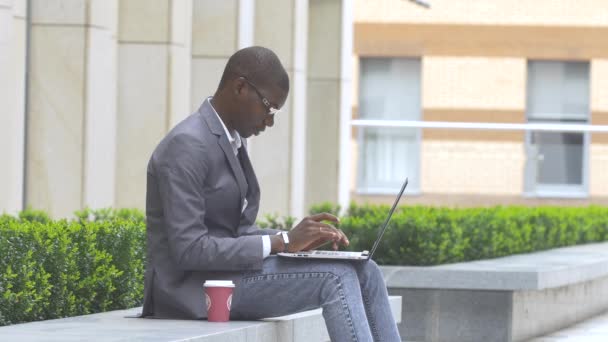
[271,110]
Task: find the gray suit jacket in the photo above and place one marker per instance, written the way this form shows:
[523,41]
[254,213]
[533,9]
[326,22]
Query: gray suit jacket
[195,229]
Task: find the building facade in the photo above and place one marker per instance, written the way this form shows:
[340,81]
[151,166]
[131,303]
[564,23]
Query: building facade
[89,87]
[497,67]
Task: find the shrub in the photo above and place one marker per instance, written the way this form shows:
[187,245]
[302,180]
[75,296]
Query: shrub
[60,268]
[276,222]
[420,235]
[52,269]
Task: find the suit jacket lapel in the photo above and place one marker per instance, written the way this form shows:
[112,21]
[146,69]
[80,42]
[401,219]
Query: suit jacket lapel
[216,128]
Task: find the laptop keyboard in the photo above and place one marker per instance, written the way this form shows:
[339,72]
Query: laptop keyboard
[336,253]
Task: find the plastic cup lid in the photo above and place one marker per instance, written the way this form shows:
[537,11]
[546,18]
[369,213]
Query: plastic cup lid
[219,283]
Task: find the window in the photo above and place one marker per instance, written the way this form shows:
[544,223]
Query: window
[558,92]
[389,89]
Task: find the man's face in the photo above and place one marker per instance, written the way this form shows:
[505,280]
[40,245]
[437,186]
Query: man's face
[257,107]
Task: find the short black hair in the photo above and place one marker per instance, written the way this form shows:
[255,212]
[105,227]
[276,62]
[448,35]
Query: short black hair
[259,65]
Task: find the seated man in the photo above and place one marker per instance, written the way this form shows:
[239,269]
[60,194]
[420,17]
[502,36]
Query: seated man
[201,205]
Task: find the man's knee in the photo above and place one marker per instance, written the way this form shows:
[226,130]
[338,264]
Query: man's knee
[341,269]
[370,270]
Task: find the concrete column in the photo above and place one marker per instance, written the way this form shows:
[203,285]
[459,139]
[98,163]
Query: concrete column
[100,104]
[71,150]
[12,96]
[12,67]
[246,23]
[345,178]
[153,69]
[215,37]
[180,65]
[57,106]
[329,88]
[279,154]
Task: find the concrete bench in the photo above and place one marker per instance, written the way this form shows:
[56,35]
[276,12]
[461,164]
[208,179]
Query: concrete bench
[113,326]
[505,299]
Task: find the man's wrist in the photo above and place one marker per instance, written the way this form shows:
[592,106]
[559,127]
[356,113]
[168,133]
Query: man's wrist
[285,238]
[276,243]
[266,246]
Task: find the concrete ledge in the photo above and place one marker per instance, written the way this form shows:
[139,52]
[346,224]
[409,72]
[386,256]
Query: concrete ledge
[505,299]
[534,271]
[113,326]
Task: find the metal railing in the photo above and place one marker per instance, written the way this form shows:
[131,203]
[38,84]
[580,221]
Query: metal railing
[535,126]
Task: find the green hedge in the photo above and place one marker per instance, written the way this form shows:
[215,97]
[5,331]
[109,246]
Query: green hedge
[430,235]
[52,269]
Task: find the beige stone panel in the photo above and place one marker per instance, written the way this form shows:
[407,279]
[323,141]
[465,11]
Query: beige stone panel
[482,83]
[477,167]
[19,8]
[322,141]
[214,28]
[144,21]
[181,22]
[104,14]
[324,30]
[59,11]
[599,85]
[100,122]
[179,85]
[598,175]
[12,65]
[599,118]
[142,120]
[205,77]
[468,40]
[279,36]
[494,12]
[55,125]
[6,5]
[271,157]
[6,33]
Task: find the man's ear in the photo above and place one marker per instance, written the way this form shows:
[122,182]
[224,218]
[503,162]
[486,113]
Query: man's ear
[239,86]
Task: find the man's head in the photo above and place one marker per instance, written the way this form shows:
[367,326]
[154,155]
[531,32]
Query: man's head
[253,87]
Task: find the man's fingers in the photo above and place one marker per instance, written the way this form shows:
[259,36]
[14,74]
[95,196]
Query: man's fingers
[324,226]
[340,234]
[327,233]
[344,239]
[324,217]
[336,235]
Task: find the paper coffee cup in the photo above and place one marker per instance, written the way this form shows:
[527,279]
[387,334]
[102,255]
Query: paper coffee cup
[218,296]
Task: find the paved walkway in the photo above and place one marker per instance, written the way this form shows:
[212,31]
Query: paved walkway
[592,330]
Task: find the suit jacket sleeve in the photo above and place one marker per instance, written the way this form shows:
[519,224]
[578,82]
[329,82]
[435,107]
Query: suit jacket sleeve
[181,179]
[255,230]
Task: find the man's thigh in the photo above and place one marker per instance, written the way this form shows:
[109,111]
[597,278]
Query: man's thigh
[286,286]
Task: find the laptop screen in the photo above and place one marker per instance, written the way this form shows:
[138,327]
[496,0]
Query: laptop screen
[388,218]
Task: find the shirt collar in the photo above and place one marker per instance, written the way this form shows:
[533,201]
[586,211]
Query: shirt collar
[235,140]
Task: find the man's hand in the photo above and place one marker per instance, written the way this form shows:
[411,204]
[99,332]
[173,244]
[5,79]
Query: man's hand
[311,233]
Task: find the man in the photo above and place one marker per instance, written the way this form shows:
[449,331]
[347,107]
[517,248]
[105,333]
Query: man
[202,202]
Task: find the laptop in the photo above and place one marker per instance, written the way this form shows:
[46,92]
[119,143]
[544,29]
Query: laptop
[365,255]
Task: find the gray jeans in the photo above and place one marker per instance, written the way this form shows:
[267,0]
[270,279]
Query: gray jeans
[352,294]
